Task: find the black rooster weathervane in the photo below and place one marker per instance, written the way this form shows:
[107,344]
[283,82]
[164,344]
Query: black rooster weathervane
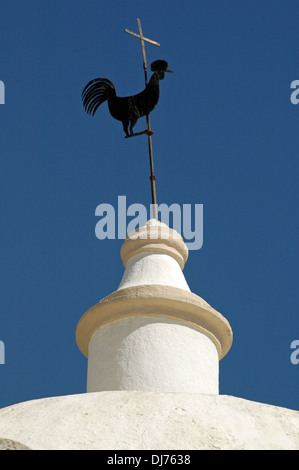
[129,109]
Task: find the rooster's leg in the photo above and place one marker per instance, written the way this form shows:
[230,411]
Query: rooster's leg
[132,124]
[125,127]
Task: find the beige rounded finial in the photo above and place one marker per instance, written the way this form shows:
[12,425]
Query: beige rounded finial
[157,237]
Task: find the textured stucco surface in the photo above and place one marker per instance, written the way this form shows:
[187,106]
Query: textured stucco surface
[149,420]
[153,268]
[152,354]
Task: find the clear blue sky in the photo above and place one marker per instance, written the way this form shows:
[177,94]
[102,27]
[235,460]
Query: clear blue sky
[226,136]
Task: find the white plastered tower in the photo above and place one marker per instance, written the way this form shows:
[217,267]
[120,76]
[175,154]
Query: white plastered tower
[153,333]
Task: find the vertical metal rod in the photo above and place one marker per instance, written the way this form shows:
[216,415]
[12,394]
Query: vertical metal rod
[148,123]
[152,177]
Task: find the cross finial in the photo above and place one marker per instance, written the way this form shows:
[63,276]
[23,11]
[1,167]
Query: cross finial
[142,39]
[152,177]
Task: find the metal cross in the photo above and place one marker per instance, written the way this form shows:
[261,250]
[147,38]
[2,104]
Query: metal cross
[150,147]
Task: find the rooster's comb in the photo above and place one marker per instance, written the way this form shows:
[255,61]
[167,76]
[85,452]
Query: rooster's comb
[159,66]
